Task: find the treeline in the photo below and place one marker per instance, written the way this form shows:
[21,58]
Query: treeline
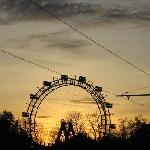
[133,133]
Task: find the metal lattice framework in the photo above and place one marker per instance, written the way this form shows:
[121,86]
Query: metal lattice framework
[49,87]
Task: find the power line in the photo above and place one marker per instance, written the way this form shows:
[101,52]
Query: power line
[28,61]
[137,89]
[109,92]
[131,100]
[128,95]
[90,39]
[131,95]
[95,42]
[84,35]
[126,98]
[43,67]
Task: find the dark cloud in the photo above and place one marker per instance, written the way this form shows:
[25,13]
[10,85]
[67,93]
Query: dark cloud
[88,101]
[62,40]
[16,10]
[20,10]
[43,117]
[84,101]
[67,44]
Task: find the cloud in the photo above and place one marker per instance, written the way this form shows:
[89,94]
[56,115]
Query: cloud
[84,101]
[20,10]
[43,117]
[62,40]
[67,44]
[96,11]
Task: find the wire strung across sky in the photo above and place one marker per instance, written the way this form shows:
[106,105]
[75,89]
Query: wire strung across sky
[28,61]
[51,70]
[95,42]
[131,100]
[137,89]
[87,37]
[90,39]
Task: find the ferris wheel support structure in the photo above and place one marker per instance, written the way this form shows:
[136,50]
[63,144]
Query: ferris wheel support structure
[50,86]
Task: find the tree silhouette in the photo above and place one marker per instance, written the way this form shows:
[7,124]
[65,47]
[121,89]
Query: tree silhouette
[11,134]
[133,133]
[76,120]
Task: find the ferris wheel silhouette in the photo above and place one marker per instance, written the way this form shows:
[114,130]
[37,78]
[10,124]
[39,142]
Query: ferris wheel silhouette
[50,86]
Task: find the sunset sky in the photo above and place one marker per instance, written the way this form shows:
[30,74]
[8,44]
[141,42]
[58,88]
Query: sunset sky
[29,32]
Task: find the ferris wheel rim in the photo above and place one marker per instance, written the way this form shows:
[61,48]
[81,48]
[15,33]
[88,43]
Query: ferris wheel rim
[49,87]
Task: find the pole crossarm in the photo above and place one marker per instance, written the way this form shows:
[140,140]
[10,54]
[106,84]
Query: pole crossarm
[132,95]
[129,95]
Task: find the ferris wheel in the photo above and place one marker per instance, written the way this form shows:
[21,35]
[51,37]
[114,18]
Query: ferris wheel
[50,86]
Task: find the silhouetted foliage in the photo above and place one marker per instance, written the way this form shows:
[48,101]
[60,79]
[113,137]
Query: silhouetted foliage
[11,134]
[71,126]
[133,133]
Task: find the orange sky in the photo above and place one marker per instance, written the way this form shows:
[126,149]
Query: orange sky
[52,44]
